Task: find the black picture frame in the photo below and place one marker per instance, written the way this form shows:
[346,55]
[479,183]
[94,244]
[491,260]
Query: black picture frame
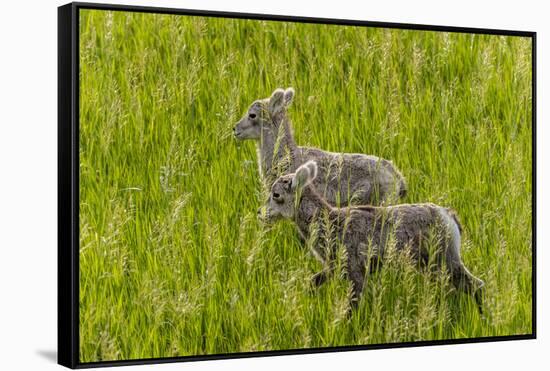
[68,181]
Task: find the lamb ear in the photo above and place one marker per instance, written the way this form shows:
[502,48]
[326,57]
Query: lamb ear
[305,174]
[276,101]
[289,95]
[312,166]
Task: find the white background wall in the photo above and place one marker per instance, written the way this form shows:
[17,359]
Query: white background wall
[28,181]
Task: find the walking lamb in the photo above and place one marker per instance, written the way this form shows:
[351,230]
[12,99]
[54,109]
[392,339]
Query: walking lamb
[364,231]
[343,179]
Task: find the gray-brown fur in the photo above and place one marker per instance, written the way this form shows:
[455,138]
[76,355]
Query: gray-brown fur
[365,230]
[344,178]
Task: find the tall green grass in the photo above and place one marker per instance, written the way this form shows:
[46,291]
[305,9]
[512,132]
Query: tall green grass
[173,260]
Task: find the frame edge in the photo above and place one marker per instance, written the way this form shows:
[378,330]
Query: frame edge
[68,176]
[534,183]
[67,259]
[301,19]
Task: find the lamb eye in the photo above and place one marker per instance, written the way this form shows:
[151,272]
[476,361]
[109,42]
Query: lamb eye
[252,116]
[277,197]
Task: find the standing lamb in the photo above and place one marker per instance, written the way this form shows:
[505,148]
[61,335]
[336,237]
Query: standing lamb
[365,230]
[343,179]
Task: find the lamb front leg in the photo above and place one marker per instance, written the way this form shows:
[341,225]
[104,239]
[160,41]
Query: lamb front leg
[319,278]
[328,265]
[357,289]
[356,274]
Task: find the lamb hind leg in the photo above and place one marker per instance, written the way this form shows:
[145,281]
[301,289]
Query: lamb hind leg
[479,293]
[357,283]
[321,277]
[466,282]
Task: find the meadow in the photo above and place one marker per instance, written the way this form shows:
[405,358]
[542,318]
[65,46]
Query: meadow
[173,260]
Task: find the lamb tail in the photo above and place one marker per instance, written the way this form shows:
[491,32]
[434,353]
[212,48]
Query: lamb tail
[403,188]
[453,215]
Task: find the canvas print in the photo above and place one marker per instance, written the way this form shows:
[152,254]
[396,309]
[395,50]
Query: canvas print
[256,185]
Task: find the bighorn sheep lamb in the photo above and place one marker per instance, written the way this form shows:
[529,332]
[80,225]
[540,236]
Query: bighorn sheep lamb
[364,230]
[344,178]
